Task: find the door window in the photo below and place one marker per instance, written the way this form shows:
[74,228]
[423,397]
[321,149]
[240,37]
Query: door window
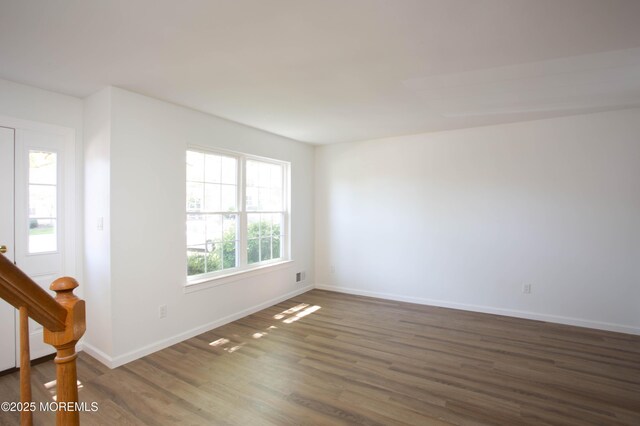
[43,202]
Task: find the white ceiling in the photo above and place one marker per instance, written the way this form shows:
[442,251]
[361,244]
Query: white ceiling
[325,71]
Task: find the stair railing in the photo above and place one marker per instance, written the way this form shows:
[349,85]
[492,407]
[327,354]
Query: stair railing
[63,319]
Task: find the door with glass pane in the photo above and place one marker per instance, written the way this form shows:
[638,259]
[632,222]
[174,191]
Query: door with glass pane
[36,177]
[39,213]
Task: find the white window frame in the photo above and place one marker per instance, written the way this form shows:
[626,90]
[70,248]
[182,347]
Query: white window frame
[243,267]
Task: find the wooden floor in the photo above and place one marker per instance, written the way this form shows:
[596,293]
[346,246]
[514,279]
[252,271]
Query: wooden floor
[328,358]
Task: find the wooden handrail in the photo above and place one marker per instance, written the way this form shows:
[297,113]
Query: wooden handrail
[63,319]
[19,290]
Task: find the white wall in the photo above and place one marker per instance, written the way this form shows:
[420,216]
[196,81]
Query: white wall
[465,218]
[97,243]
[146,160]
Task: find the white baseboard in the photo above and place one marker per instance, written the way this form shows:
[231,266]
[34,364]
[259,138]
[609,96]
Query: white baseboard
[488,310]
[113,362]
[98,354]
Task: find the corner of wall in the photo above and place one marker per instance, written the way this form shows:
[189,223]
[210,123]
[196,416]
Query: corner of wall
[98,339]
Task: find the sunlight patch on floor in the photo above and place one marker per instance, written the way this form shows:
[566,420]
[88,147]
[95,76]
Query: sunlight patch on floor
[51,387]
[234,348]
[302,314]
[290,315]
[290,311]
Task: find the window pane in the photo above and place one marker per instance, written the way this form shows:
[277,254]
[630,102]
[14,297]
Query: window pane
[229,255]
[43,167]
[230,227]
[212,168]
[276,247]
[275,200]
[42,235]
[195,262]
[195,230]
[264,174]
[265,248]
[214,258]
[195,196]
[265,225]
[264,190]
[252,199]
[214,228]
[253,250]
[276,176]
[42,201]
[252,173]
[229,193]
[253,225]
[212,197]
[278,223]
[229,170]
[263,199]
[195,166]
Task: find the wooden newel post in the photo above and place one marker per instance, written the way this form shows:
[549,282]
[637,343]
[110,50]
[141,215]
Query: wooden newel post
[65,344]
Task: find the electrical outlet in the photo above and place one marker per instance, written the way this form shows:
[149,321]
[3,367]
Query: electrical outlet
[300,276]
[526,288]
[333,269]
[162,311]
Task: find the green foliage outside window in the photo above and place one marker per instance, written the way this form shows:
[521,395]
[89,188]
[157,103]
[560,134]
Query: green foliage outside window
[263,244]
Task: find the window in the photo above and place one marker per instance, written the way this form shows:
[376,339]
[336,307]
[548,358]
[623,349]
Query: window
[43,197]
[236,208]
[265,210]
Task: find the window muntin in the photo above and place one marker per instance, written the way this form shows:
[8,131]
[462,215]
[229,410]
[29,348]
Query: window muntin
[236,213]
[43,202]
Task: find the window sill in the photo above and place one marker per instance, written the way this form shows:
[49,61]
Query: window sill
[206,283]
